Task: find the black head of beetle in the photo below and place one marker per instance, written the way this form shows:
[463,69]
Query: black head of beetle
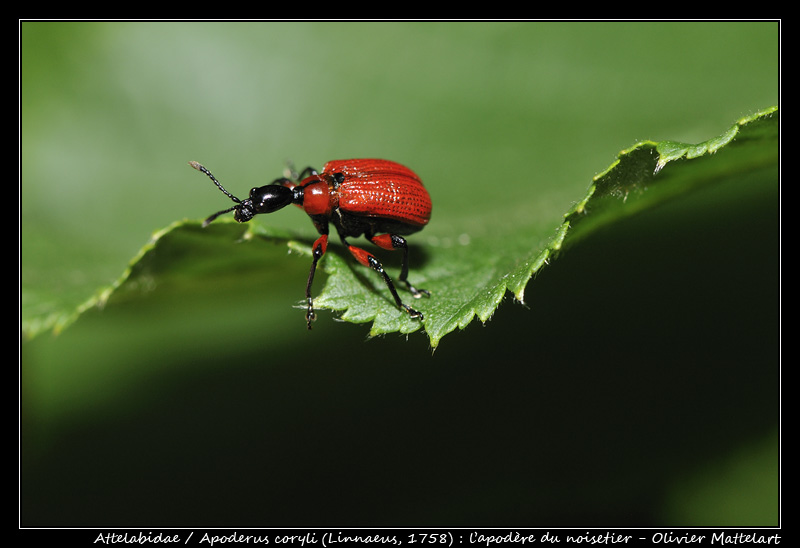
[264,199]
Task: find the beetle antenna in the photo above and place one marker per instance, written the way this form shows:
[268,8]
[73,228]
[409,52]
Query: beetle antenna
[217,214]
[200,167]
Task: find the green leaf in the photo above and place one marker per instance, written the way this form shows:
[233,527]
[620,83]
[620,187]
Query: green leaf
[469,271]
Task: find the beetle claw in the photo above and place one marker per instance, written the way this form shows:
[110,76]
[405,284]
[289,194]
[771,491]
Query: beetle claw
[414,314]
[417,293]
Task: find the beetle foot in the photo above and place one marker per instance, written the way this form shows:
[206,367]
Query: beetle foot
[310,315]
[417,293]
[414,314]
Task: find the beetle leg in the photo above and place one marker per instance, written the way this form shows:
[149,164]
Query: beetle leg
[391,242]
[317,251]
[368,259]
[295,176]
[306,173]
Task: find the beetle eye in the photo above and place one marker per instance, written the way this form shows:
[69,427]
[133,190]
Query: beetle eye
[243,214]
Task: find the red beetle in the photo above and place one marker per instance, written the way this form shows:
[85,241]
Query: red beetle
[377,198]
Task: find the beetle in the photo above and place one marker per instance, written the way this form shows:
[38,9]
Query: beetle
[381,199]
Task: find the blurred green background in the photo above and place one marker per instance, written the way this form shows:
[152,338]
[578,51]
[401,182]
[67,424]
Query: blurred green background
[638,387]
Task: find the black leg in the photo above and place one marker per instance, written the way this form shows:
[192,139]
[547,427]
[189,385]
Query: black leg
[391,242]
[317,252]
[368,259]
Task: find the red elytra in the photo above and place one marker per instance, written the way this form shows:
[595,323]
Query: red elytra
[381,199]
